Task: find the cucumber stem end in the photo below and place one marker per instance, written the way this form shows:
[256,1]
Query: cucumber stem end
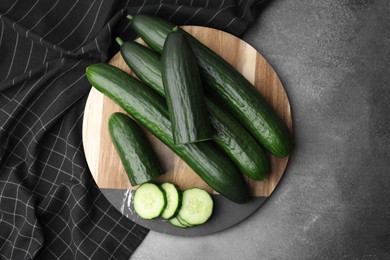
[119,41]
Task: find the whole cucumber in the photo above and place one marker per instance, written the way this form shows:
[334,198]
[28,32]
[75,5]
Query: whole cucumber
[227,84]
[137,156]
[150,110]
[184,91]
[230,135]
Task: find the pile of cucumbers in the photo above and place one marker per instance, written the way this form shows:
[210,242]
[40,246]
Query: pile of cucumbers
[195,103]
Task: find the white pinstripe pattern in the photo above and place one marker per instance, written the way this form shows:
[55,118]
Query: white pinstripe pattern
[231,22]
[2,32]
[59,23]
[66,150]
[158,8]
[245,9]
[77,26]
[142,6]
[222,3]
[13,56]
[217,13]
[177,9]
[25,96]
[128,21]
[62,92]
[44,57]
[51,152]
[12,152]
[86,236]
[29,57]
[97,46]
[192,16]
[42,17]
[25,15]
[9,10]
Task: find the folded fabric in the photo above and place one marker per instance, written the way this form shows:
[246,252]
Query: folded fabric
[50,207]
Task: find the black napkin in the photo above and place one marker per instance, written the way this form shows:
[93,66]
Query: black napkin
[50,207]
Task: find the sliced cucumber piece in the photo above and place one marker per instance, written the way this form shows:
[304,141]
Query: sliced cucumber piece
[149,201]
[197,206]
[175,222]
[183,222]
[173,196]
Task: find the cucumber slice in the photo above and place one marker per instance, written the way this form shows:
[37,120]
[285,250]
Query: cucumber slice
[183,222]
[173,196]
[197,206]
[149,201]
[175,222]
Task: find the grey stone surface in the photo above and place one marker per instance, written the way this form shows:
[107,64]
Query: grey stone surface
[333,57]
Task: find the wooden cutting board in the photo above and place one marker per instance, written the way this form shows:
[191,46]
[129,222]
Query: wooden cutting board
[103,160]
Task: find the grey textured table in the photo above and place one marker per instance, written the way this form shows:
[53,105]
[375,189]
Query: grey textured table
[334,200]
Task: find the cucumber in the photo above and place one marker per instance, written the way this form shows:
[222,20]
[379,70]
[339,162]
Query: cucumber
[227,84]
[183,222]
[175,222]
[135,152]
[149,201]
[184,91]
[197,206]
[239,144]
[173,196]
[230,135]
[150,110]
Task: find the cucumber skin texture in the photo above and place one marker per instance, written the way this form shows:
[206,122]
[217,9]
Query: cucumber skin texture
[241,147]
[137,156]
[184,91]
[225,82]
[149,109]
[230,135]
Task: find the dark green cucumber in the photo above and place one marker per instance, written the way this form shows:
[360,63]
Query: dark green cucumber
[184,91]
[150,110]
[230,135]
[136,153]
[227,84]
[239,144]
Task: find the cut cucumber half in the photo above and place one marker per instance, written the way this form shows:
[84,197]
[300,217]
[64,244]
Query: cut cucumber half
[175,222]
[149,201]
[197,206]
[173,196]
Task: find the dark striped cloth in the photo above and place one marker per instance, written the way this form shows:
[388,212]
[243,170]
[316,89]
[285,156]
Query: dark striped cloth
[50,207]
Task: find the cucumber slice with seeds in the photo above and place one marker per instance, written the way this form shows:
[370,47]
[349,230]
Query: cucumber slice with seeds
[173,196]
[197,206]
[149,201]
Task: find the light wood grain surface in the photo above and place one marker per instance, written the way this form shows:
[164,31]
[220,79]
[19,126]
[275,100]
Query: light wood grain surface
[103,160]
